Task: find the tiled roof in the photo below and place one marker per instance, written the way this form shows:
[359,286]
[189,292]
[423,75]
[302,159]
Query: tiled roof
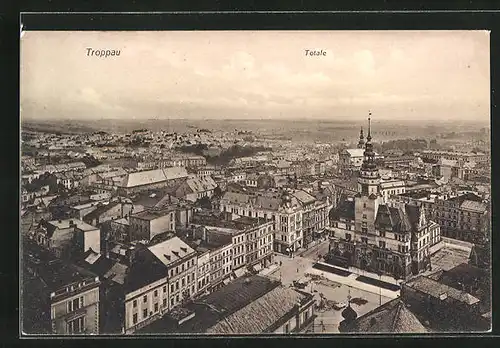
[304,197]
[236,198]
[238,294]
[355,152]
[474,206]
[201,184]
[397,219]
[153,176]
[391,317]
[117,273]
[101,210]
[438,290]
[144,271]
[268,203]
[260,314]
[170,250]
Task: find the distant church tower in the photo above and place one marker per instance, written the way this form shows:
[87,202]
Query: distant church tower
[368,198]
[361,143]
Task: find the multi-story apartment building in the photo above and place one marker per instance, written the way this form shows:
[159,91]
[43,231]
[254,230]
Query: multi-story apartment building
[391,187]
[220,265]
[283,209]
[192,161]
[464,216]
[251,240]
[314,215]
[148,223]
[161,277]
[477,157]
[390,238]
[203,271]
[58,298]
[66,238]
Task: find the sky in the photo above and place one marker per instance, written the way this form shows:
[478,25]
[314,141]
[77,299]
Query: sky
[425,75]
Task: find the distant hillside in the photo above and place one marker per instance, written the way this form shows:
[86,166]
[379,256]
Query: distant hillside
[57,127]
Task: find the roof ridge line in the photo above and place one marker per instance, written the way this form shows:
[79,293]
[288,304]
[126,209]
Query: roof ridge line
[396,315]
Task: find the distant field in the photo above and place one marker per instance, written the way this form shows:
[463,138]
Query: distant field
[300,130]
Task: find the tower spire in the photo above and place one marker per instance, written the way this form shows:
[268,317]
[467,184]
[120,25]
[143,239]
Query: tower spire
[361,142]
[369,137]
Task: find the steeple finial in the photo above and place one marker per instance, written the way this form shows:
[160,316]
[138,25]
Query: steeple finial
[369,137]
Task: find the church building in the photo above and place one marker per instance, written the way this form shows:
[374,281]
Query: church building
[378,235]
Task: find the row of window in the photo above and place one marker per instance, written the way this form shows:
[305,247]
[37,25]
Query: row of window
[75,304]
[183,267]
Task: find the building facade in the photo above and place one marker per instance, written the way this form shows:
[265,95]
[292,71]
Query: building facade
[390,238]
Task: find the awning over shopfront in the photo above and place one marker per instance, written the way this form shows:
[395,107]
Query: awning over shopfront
[257,267]
[239,272]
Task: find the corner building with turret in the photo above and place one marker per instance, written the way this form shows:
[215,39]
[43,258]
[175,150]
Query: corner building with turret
[389,238]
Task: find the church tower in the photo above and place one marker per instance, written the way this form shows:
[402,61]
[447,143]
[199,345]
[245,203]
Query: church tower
[368,198]
[361,143]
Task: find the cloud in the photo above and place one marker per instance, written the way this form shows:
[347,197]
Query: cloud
[90,97]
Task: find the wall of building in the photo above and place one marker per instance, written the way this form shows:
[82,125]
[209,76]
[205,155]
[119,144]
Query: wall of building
[162,224]
[92,239]
[203,270]
[182,279]
[144,299]
[60,313]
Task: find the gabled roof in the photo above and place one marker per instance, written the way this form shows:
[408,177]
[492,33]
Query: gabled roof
[153,176]
[354,152]
[101,209]
[260,315]
[474,206]
[397,219]
[268,203]
[236,198]
[438,290]
[392,317]
[170,250]
[201,184]
[304,197]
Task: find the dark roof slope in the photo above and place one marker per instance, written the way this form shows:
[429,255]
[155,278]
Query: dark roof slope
[392,317]
[101,209]
[145,270]
[344,210]
[211,309]
[393,217]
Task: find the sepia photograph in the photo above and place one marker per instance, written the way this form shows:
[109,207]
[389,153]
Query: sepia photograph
[255,183]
